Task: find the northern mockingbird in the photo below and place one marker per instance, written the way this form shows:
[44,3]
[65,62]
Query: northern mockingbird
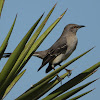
[60,50]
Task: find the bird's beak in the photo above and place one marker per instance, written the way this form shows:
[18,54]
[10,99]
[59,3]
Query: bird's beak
[80,26]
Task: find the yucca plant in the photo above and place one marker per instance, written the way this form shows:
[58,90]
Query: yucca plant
[13,68]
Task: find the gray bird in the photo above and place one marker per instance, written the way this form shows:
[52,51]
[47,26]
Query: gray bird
[60,50]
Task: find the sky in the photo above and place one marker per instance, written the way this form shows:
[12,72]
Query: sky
[82,12]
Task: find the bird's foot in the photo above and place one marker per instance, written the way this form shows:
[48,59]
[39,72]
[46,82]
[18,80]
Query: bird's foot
[59,79]
[69,72]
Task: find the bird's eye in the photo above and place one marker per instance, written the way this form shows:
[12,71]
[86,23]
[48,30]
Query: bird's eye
[73,27]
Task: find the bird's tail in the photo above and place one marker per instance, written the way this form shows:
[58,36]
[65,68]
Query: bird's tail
[49,68]
[40,54]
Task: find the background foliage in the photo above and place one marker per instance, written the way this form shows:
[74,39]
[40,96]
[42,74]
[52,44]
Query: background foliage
[24,22]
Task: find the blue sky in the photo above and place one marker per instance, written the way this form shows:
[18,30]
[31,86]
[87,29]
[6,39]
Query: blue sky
[82,12]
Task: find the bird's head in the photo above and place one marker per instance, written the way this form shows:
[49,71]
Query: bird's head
[73,27]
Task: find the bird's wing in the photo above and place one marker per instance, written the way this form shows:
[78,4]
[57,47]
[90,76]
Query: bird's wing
[60,46]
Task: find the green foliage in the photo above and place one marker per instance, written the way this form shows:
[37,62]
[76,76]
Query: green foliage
[12,70]
[79,96]
[72,92]
[13,83]
[1,5]
[5,42]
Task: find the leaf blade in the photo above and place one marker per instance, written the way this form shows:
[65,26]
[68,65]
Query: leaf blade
[13,83]
[74,91]
[34,37]
[29,95]
[5,42]
[1,6]
[74,81]
[7,73]
[81,95]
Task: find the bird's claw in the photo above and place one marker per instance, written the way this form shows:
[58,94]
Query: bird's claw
[69,72]
[59,79]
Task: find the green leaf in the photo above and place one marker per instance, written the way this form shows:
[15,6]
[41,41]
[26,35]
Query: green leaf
[13,83]
[79,96]
[41,38]
[29,95]
[48,86]
[5,42]
[34,37]
[1,5]
[74,81]
[5,77]
[72,92]
[11,75]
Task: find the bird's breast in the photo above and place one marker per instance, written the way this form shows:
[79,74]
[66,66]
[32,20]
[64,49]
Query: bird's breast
[71,46]
[71,43]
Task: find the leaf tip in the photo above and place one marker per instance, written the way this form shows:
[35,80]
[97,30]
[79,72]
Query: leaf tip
[93,47]
[16,15]
[63,14]
[98,78]
[93,89]
[66,9]
[55,4]
[42,14]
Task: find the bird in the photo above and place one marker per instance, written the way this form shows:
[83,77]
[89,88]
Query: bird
[60,50]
